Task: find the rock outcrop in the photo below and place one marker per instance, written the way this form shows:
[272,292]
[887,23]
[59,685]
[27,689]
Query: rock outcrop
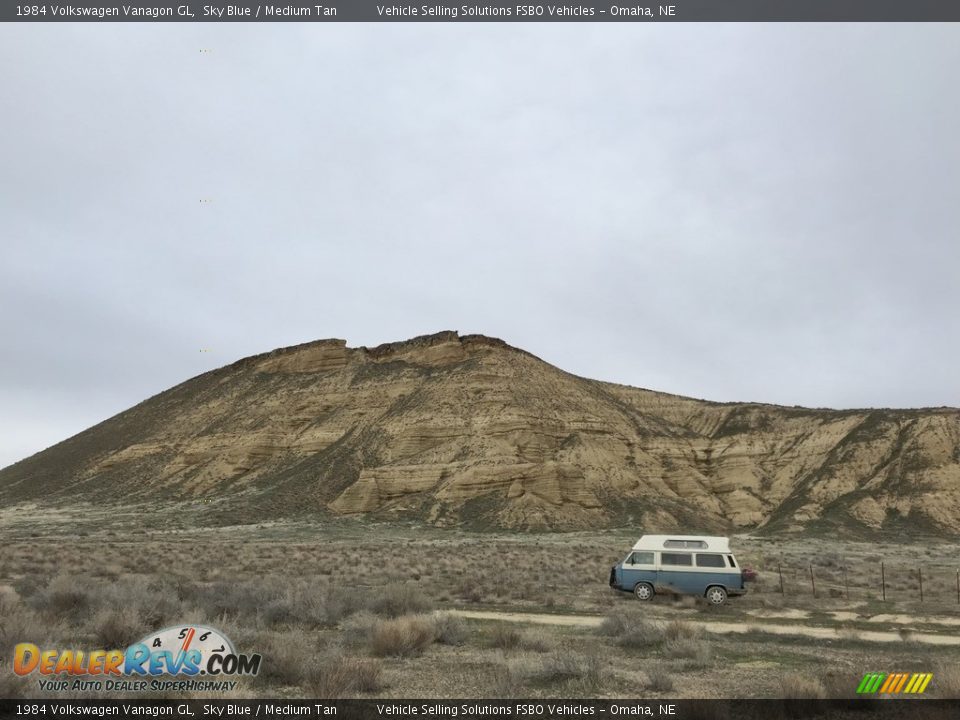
[467,430]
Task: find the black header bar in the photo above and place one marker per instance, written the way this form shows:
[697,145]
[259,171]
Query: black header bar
[485,11]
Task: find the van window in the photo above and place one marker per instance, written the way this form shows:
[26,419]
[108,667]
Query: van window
[640,558]
[733,563]
[710,560]
[676,559]
[685,544]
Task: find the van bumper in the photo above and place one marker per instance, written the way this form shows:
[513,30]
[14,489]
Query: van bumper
[736,591]
[613,578]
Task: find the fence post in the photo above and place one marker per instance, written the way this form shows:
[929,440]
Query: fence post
[780,572]
[883,581]
[813,584]
[846,585]
[920,575]
[958,587]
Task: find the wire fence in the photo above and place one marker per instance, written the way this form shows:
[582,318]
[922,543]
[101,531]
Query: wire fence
[936,583]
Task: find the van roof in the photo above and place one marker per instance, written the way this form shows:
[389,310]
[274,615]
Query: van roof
[656,542]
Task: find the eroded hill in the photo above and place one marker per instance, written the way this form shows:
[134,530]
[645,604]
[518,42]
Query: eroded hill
[468,430]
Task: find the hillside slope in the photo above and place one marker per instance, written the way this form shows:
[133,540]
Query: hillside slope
[468,430]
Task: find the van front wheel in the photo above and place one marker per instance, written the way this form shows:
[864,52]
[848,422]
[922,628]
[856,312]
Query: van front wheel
[716,595]
[643,591]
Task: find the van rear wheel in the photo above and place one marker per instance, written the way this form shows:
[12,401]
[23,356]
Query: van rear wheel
[716,595]
[643,591]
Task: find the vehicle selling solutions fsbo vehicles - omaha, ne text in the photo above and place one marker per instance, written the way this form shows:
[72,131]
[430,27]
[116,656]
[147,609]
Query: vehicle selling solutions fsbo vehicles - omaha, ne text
[680,564]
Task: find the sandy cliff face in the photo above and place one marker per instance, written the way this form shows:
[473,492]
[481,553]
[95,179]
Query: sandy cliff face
[467,430]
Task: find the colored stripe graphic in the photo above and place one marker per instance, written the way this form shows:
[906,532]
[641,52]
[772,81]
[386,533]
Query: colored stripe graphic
[888,683]
[870,683]
[894,683]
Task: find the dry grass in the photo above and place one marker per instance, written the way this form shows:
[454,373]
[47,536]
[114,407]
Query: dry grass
[117,627]
[339,677]
[796,686]
[659,680]
[585,670]
[696,654]
[616,624]
[402,637]
[506,637]
[286,657]
[680,630]
[19,623]
[13,687]
[396,600]
[946,681]
[641,635]
[290,592]
[450,630]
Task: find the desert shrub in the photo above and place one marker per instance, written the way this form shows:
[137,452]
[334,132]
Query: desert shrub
[117,628]
[506,637]
[155,601]
[338,677]
[506,683]
[357,628]
[946,681]
[13,687]
[397,600]
[29,585]
[535,641]
[641,634]
[286,655]
[470,592]
[659,680]
[340,603]
[794,686]
[242,600]
[450,630]
[402,636]
[567,666]
[696,654]
[19,623]
[368,675]
[616,624]
[65,596]
[836,684]
[679,630]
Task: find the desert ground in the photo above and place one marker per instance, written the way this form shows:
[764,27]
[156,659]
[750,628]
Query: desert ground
[351,608]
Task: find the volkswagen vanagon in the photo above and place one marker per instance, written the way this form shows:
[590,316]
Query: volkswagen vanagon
[680,564]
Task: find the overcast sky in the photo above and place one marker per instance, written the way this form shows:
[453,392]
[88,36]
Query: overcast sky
[732,212]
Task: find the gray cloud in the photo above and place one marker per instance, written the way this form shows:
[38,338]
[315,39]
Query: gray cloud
[736,212]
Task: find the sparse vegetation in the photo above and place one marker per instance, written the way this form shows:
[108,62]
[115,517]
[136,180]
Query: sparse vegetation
[403,636]
[304,596]
[797,686]
[641,635]
[339,677]
[659,680]
[450,630]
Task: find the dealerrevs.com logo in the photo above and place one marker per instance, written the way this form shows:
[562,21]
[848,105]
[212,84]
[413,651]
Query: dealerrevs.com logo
[173,659]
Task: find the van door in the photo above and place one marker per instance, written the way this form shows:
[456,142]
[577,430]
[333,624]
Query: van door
[676,572]
[638,567]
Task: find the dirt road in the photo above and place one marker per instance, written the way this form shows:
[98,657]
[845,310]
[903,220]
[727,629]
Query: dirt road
[795,629]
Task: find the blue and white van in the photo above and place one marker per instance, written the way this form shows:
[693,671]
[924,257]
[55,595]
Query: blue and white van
[680,564]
